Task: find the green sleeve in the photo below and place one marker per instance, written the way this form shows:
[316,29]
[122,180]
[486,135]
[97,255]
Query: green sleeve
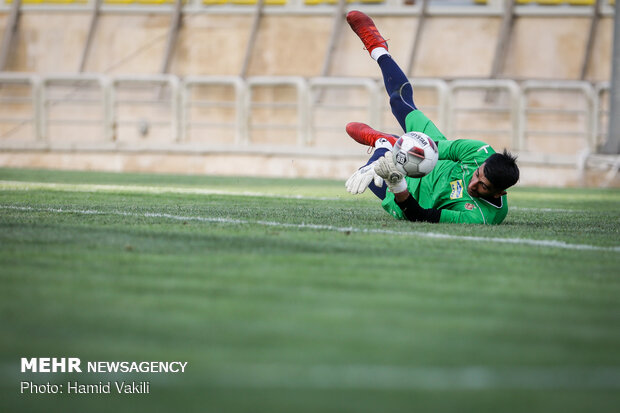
[448,216]
[418,122]
[468,213]
[464,150]
[461,217]
[389,205]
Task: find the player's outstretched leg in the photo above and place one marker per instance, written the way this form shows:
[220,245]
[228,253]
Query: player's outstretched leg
[398,89]
[368,136]
[383,143]
[366,30]
[379,191]
[396,83]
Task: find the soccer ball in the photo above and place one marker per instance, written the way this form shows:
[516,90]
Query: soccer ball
[415,154]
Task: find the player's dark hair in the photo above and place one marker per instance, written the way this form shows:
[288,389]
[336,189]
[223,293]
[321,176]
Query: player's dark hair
[501,170]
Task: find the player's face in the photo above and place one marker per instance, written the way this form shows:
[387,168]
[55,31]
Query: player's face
[479,186]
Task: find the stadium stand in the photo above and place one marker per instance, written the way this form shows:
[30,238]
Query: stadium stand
[42,2]
[553,2]
[547,113]
[267,2]
[316,2]
[385,3]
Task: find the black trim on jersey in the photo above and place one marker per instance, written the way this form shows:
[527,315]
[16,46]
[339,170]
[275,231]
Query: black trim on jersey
[496,202]
[414,212]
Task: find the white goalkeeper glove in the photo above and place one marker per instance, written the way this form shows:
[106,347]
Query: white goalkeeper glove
[386,169]
[359,181]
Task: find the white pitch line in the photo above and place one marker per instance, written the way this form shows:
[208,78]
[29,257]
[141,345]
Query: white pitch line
[545,210]
[231,221]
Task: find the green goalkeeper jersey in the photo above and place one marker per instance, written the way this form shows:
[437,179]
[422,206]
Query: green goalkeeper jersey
[445,187]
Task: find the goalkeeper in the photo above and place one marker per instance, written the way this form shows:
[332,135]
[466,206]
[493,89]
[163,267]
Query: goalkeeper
[469,182]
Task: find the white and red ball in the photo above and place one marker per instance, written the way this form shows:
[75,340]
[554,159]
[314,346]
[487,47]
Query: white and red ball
[415,154]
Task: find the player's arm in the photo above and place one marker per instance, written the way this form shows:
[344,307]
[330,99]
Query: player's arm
[418,122]
[464,150]
[411,209]
[462,217]
[414,212]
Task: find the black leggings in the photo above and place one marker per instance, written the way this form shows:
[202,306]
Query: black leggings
[401,101]
[398,88]
[379,191]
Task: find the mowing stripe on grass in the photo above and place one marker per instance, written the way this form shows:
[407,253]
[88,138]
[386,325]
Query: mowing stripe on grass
[139,189]
[233,221]
[412,378]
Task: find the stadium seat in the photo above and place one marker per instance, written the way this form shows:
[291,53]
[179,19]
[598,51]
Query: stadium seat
[549,2]
[267,2]
[154,1]
[544,2]
[141,1]
[317,2]
[244,2]
[50,1]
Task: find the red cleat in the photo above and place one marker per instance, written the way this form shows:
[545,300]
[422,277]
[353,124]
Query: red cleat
[365,28]
[366,135]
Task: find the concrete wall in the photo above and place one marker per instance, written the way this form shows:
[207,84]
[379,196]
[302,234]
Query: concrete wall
[215,44]
[266,165]
[541,47]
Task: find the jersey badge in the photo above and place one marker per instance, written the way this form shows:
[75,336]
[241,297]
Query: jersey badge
[469,206]
[457,189]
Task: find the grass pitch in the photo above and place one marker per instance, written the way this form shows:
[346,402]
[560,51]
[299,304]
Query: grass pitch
[293,296]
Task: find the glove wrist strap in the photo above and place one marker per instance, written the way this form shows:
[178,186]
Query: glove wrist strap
[398,187]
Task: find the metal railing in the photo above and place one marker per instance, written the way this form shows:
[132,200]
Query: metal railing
[13,121]
[378,7]
[601,112]
[156,95]
[571,111]
[486,104]
[63,100]
[322,104]
[126,110]
[236,103]
[276,106]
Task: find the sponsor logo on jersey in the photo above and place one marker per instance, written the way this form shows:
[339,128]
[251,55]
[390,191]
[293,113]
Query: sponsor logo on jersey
[469,206]
[457,189]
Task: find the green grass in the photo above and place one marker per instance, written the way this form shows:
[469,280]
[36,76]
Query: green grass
[363,314]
